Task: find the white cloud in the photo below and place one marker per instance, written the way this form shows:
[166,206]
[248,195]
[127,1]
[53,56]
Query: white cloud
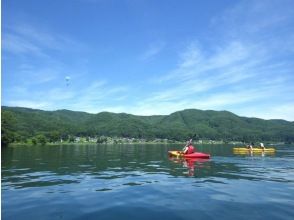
[279,111]
[25,39]
[198,74]
[17,45]
[238,69]
[30,104]
[251,18]
[59,94]
[246,67]
[152,50]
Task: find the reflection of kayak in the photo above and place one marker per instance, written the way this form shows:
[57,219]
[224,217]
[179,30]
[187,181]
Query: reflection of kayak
[191,163]
[188,160]
[198,160]
[254,150]
[253,153]
[193,155]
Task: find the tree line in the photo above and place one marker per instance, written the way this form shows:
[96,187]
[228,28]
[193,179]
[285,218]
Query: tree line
[24,125]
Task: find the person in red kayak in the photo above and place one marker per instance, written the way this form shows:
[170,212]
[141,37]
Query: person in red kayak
[189,149]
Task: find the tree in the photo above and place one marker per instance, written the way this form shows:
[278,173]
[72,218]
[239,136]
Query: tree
[41,139]
[7,137]
[54,136]
[71,139]
[101,140]
[34,141]
[64,137]
[8,121]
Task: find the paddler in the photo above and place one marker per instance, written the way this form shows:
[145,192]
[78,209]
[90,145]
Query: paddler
[250,146]
[262,146]
[189,149]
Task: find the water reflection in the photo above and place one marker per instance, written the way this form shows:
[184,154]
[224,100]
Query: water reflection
[192,164]
[87,181]
[34,165]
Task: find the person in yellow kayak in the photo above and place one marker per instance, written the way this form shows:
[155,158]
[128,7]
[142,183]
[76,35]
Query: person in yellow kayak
[250,146]
[262,146]
[189,149]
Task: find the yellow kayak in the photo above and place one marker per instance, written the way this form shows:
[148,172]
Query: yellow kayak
[254,150]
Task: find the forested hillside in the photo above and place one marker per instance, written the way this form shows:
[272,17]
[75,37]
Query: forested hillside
[22,124]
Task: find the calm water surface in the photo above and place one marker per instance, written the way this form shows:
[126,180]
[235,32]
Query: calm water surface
[142,182]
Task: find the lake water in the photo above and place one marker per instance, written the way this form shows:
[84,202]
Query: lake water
[142,182]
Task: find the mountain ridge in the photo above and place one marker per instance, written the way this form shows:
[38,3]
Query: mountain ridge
[25,123]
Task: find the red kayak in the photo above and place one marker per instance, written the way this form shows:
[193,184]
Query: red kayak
[193,155]
[197,155]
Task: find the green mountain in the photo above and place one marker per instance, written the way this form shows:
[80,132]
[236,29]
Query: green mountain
[20,124]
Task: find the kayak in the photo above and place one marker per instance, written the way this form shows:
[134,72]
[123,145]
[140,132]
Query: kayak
[193,155]
[253,153]
[176,153]
[187,160]
[254,150]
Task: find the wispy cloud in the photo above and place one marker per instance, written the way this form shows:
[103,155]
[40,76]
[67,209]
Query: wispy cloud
[245,66]
[34,75]
[198,74]
[253,17]
[152,50]
[37,67]
[39,75]
[29,104]
[235,71]
[17,45]
[278,111]
[26,39]
[98,96]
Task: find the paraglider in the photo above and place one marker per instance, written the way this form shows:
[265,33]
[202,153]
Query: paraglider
[67,79]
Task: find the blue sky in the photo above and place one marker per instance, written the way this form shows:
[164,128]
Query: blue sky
[150,57]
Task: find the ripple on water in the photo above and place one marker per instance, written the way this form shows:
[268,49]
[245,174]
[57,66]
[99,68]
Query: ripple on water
[225,187]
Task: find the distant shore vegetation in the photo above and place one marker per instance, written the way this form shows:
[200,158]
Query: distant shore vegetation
[42,140]
[32,126]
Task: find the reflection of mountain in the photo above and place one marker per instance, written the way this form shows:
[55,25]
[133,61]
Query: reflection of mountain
[30,166]
[80,158]
[120,165]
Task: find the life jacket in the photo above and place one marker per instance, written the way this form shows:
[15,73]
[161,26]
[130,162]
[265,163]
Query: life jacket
[190,149]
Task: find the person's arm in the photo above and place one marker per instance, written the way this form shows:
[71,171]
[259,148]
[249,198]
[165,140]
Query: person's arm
[184,148]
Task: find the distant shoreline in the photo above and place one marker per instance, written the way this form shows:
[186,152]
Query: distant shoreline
[141,143]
